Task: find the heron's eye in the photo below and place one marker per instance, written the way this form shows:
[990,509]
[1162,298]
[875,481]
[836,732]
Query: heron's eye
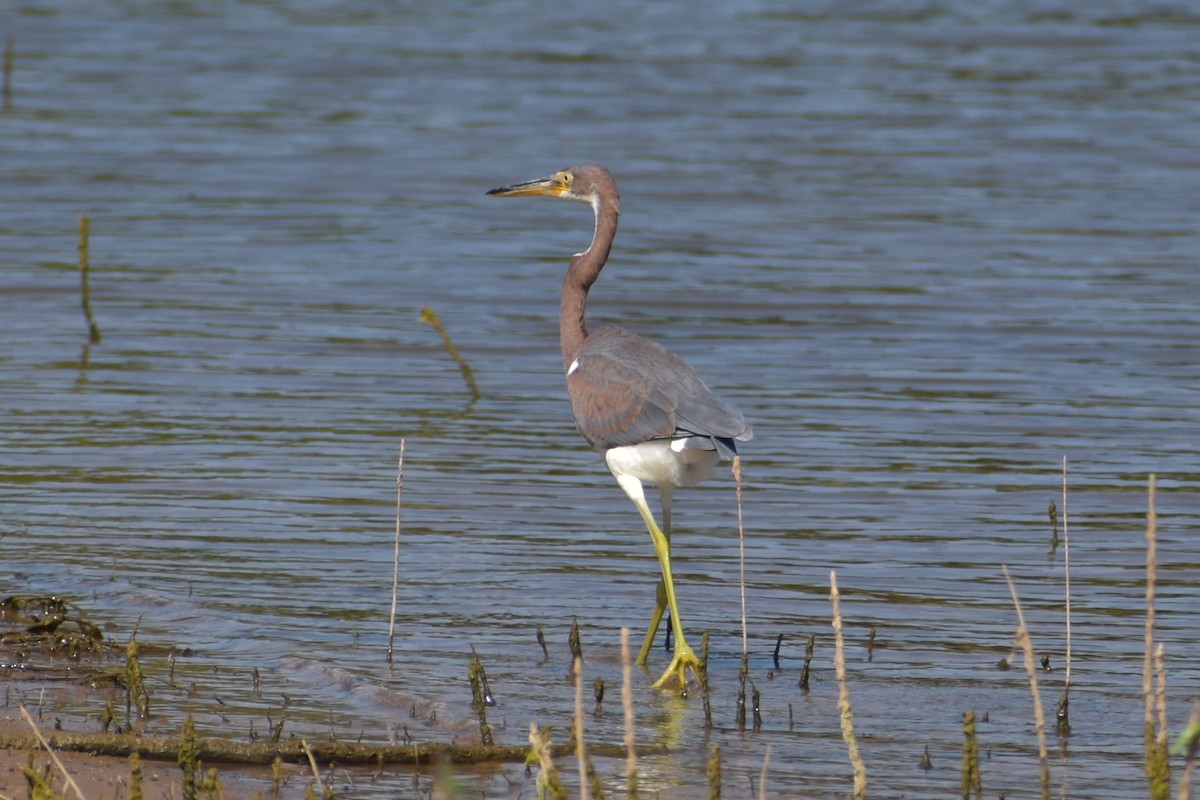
[566,177]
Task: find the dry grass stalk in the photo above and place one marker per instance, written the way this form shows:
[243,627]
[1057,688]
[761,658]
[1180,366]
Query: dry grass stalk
[847,714]
[1156,758]
[1160,692]
[737,480]
[762,778]
[1026,645]
[396,554]
[1066,573]
[1160,705]
[1062,712]
[1151,578]
[631,773]
[312,761]
[580,753]
[67,779]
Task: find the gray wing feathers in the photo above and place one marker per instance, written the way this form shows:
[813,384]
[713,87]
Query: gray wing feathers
[627,390]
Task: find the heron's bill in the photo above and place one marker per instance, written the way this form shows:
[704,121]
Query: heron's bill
[554,186]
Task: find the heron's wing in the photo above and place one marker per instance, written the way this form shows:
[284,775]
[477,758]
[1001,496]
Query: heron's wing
[614,400]
[626,390]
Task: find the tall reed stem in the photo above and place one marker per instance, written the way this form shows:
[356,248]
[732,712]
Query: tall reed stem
[396,554]
[847,714]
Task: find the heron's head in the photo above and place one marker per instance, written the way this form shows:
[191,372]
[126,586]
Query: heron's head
[589,183]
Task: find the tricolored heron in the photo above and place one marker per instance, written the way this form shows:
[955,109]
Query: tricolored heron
[644,407]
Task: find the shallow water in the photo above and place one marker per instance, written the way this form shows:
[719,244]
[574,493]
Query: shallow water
[928,251]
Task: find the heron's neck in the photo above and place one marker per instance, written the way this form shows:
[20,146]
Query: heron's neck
[581,274]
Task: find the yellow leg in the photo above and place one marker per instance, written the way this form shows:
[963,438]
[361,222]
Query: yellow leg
[660,607]
[685,658]
[665,492]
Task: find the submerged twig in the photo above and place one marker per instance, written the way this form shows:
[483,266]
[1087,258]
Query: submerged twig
[847,713]
[598,687]
[756,705]
[396,553]
[1026,645]
[84,268]
[1052,512]
[276,731]
[430,316]
[805,674]
[8,68]
[743,672]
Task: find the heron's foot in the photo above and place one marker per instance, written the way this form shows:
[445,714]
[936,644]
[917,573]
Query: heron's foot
[677,672]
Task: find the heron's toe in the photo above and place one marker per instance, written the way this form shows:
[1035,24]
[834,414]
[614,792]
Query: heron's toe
[676,674]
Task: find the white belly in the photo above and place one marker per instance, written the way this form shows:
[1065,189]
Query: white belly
[663,462]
